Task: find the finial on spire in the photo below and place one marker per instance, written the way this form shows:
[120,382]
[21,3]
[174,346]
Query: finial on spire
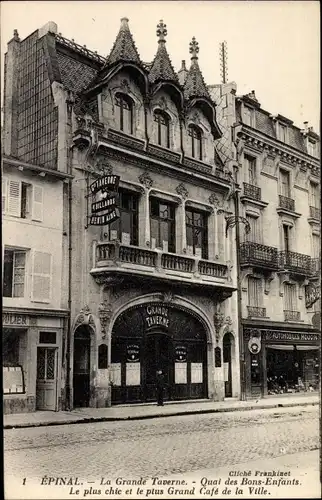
[162,31]
[124,23]
[194,48]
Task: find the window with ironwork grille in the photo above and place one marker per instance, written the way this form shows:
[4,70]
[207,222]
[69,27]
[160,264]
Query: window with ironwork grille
[196,233]
[125,112]
[195,135]
[125,229]
[255,295]
[162,219]
[14,272]
[162,132]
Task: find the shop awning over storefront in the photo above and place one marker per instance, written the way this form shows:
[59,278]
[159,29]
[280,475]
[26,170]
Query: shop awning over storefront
[288,347]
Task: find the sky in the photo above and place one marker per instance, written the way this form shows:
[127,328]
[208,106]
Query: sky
[273,46]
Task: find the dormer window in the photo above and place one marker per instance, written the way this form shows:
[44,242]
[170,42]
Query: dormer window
[125,112]
[195,135]
[311,147]
[248,116]
[282,132]
[162,133]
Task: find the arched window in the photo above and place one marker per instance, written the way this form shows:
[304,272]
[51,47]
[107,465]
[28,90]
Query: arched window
[125,112]
[162,128]
[195,142]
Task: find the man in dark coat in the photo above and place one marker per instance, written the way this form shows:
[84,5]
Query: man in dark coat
[160,387]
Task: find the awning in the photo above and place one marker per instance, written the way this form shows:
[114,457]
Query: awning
[281,347]
[307,347]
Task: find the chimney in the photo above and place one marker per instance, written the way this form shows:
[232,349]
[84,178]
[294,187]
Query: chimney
[182,73]
[11,96]
[305,126]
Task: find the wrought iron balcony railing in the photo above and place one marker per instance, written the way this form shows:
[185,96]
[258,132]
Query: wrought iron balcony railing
[295,262]
[251,191]
[256,312]
[286,203]
[315,213]
[315,267]
[292,315]
[259,255]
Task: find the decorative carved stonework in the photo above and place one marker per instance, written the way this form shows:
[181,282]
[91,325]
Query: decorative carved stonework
[267,283]
[182,191]
[103,166]
[214,200]
[125,86]
[33,321]
[104,313]
[146,180]
[168,297]
[218,319]
[162,103]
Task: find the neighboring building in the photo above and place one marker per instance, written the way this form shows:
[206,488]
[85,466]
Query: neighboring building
[154,288]
[279,176]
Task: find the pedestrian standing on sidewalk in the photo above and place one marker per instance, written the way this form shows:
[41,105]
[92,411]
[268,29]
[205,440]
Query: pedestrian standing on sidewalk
[160,387]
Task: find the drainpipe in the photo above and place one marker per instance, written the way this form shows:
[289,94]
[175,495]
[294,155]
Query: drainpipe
[69,103]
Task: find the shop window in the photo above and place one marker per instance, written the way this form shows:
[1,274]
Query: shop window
[162,122]
[12,372]
[250,164]
[125,229]
[196,231]
[21,199]
[195,135]
[102,357]
[162,216]
[124,105]
[47,338]
[217,357]
[14,271]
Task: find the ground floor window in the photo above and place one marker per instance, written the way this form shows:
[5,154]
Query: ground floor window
[12,361]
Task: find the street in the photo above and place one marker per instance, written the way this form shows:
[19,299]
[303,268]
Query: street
[159,447]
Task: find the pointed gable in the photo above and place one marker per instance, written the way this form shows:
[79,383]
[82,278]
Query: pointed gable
[194,85]
[124,48]
[162,68]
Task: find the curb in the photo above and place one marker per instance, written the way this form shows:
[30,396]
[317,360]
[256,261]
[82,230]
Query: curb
[87,420]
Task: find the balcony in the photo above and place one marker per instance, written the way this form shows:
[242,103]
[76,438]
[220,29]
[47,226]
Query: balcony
[113,257]
[296,263]
[258,255]
[251,191]
[315,267]
[292,315]
[256,312]
[286,203]
[315,213]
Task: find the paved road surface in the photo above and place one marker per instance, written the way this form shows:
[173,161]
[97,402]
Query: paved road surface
[160,447]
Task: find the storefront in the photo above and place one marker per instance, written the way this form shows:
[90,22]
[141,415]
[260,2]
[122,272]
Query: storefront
[158,336]
[31,360]
[281,361]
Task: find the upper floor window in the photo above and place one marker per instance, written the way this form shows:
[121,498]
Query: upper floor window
[125,109]
[290,302]
[286,238]
[195,135]
[314,195]
[282,132]
[14,271]
[250,163]
[21,199]
[248,116]
[162,225]
[285,185]
[315,246]
[196,232]
[162,122]
[41,276]
[254,292]
[125,229]
[311,147]
[254,235]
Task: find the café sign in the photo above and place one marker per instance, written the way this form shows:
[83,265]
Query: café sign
[157,316]
[14,319]
[106,183]
[104,210]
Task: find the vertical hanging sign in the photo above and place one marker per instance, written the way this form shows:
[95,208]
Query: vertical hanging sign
[104,209]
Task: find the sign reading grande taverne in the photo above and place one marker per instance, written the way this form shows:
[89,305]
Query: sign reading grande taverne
[14,319]
[107,183]
[157,316]
[103,219]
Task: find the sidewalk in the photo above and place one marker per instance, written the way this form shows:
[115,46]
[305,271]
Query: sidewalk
[145,411]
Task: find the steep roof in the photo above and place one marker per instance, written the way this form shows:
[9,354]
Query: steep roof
[162,68]
[124,48]
[194,85]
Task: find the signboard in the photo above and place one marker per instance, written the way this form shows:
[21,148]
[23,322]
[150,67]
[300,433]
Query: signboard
[293,337]
[133,353]
[104,219]
[181,354]
[157,316]
[106,183]
[107,202]
[254,345]
[14,319]
[312,294]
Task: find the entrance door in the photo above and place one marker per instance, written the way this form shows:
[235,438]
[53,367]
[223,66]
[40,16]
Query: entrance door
[158,356]
[46,386]
[81,380]
[227,365]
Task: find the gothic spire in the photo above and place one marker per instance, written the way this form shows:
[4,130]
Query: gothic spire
[124,48]
[162,68]
[194,84]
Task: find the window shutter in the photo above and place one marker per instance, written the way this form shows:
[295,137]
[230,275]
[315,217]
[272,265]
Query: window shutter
[4,194]
[14,198]
[37,203]
[41,276]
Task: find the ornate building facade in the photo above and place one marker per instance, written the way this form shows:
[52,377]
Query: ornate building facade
[279,254]
[149,268]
